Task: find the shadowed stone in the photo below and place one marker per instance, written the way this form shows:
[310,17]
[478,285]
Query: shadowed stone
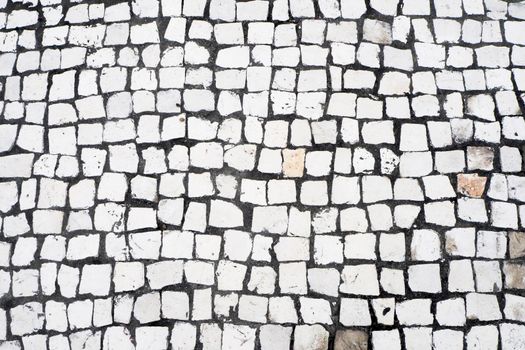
[481,158]
[517,244]
[351,340]
[514,276]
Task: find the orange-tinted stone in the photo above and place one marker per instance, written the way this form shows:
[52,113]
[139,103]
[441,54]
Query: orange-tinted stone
[471,185]
[293,162]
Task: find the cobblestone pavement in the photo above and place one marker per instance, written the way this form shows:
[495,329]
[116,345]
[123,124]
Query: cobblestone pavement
[283,174]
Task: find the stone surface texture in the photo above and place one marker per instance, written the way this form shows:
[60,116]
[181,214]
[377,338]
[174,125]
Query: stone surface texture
[262,174]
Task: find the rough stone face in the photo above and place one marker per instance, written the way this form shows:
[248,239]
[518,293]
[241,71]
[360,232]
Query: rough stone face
[471,185]
[514,275]
[516,244]
[351,340]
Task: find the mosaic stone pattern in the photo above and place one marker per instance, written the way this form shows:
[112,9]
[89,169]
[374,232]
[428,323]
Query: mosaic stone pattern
[282,174]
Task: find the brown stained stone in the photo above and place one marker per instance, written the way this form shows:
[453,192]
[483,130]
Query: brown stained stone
[293,162]
[514,276]
[517,244]
[471,185]
[351,340]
